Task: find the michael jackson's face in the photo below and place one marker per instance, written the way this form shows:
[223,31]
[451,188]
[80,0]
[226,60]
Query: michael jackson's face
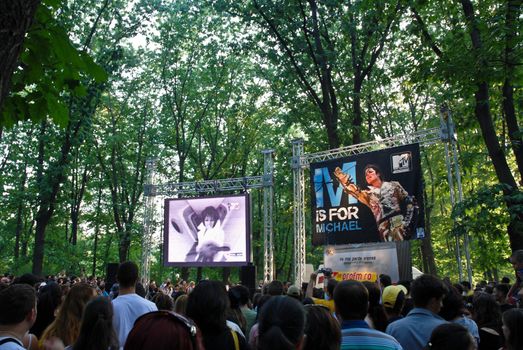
[208,222]
[371,176]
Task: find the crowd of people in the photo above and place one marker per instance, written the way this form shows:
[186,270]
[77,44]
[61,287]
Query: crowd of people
[427,313]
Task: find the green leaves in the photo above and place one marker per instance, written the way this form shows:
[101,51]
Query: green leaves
[51,70]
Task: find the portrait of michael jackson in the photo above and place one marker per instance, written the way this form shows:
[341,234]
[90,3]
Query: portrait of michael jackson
[394,210]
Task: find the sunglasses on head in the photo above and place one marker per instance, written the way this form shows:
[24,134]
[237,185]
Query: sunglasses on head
[189,324]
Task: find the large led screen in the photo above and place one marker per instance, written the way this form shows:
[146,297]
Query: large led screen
[207,231]
[368,197]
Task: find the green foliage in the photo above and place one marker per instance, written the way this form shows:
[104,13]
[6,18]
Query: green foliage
[51,68]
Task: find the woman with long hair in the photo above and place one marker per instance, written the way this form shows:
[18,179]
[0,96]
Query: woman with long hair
[97,331]
[207,306]
[66,325]
[487,314]
[376,316]
[281,324]
[322,330]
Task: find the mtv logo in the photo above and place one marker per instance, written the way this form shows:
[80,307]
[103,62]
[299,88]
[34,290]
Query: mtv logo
[401,162]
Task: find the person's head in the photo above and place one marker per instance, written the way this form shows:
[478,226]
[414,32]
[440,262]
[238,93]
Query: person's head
[393,299]
[163,301]
[351,300]
[466,285]
[96,330]
[505,279]
[164,330]
[281,324]
[385,280]
[485,309]
[331,285]
[294,292]
[180,304]
[451,336]
[275,288]
[28,278]
[49,298]
[18,306]
[427,292]
[500,292]
[127,274]
[373,174]
[516,259]
[322,330]
[210,217]
[512,326]
[66,326]
[207,306]
[453,305]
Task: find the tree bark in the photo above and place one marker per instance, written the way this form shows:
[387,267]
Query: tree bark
[511,40]
[484,117]
[16,16]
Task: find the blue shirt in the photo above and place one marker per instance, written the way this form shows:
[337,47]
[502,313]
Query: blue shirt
[413,331]
[356,334]
[470,325]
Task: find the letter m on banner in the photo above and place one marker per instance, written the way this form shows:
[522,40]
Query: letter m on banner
[323,177]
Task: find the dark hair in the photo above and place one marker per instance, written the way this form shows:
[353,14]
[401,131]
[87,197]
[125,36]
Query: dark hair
[406,284]
[505,279]
[207,306]
[466,284]
[385,280]
[96,330]
[275,288]
[16,302]
[49,298]
[376,310]
[450,336]
[485,309]
[210,212]
[322,329]
[234,313]
[331,285]
[140,290]
[351,300]
[163,330]
[426,287]
[453,305]
[28,278]
[503,288]
[163,301]
[281,324]
[513,320]
[241,293]
[127,274]
[375,168]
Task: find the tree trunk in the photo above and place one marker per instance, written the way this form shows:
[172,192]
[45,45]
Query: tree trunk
[484,117]
[16,16]
[511,28]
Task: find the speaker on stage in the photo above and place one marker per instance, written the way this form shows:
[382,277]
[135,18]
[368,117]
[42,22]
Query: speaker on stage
[110,277]
[248,277]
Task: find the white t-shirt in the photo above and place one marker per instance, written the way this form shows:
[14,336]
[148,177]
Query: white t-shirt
[11,345]
[127,308]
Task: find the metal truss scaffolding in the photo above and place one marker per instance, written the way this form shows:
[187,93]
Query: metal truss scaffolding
[301,161]
[243,184]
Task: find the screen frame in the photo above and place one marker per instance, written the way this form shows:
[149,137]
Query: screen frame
[248,255]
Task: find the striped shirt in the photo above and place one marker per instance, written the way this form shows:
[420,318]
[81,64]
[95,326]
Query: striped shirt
[356,334]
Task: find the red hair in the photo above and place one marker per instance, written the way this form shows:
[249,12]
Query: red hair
[163,330]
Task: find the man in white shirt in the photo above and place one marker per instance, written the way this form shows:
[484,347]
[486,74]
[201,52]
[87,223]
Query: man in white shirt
[17,315]
[128,306]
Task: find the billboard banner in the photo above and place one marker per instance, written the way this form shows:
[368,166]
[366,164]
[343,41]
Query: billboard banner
[369,197]
[364,263]
[207,231]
